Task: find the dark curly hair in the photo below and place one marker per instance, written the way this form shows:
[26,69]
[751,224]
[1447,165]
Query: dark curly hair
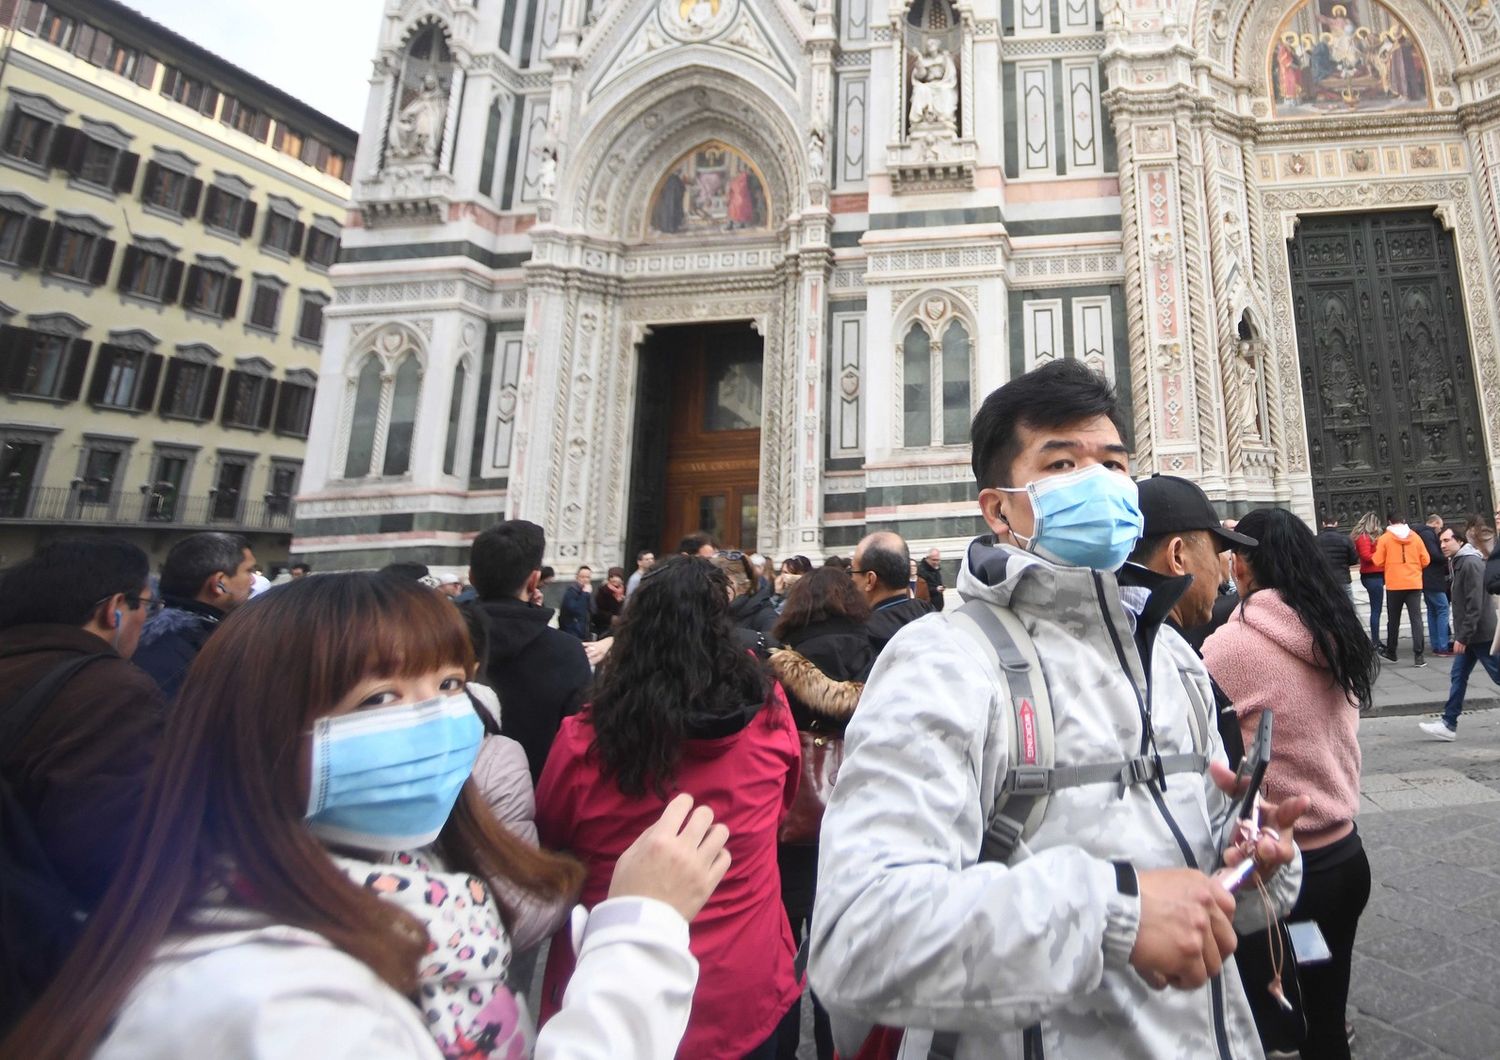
[1287,559]
[674,658]
[827,592]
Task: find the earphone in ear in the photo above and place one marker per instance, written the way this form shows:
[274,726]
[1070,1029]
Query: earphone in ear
[222,589]
[119,618]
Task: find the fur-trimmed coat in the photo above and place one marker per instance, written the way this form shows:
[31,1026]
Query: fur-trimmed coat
[823,670]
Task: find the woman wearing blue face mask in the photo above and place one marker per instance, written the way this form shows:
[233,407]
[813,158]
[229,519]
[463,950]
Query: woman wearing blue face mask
[313,870]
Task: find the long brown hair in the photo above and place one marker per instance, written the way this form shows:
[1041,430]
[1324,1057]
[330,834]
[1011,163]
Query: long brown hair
[827,592]
[227,796]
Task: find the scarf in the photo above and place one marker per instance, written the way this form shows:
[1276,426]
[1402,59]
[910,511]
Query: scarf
[470,1011]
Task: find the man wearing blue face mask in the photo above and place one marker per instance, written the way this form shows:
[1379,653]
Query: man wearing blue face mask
[1015,859]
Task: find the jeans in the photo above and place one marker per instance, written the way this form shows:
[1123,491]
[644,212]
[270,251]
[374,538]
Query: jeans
[1335,889]
[1399,598]
[1374,588]
[799,886]
[1437,620]
[1458,680]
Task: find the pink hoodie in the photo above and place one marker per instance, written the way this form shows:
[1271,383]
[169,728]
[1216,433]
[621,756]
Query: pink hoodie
[1264,658]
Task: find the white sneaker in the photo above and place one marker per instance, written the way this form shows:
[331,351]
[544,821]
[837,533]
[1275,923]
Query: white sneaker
[1438,730]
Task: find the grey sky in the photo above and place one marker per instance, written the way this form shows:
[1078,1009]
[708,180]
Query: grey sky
[316,50]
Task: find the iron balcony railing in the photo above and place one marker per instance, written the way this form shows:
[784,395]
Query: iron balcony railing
[150,507]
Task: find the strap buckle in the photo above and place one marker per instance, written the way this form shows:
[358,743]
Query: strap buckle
[1140,770]
[1001,838]
[1029,780]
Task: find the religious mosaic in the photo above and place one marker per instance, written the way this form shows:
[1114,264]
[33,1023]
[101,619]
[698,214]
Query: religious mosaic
[1342,57]
[712,188]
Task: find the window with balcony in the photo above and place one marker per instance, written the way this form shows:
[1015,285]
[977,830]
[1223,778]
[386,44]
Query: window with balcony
[229,488]
[21,461]
[102,464]
[42,364]
[283,487]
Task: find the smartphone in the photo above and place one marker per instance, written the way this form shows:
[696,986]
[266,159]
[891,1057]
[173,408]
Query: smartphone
[1252,769]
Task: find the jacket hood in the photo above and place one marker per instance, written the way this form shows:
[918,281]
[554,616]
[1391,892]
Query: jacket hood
[513,626]
[1267,613]
[1401,530]
[707,726]
[1014,578]
[1468,550]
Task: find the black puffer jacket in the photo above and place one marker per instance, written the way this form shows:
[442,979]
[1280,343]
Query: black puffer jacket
[755,612]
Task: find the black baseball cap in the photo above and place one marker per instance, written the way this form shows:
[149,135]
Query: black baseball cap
[1172,505]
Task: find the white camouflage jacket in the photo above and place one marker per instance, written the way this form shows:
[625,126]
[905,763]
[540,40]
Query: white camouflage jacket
[912,931]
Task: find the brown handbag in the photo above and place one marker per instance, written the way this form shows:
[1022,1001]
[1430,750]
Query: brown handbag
[822,755]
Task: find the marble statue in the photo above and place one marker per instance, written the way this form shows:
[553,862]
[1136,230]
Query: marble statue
[817,157]
[546,176]
[417,133]
[934,88]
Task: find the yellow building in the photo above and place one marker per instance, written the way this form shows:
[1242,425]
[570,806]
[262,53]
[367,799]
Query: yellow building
[167,222]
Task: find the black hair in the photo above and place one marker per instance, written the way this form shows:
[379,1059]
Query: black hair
[503,557]
[198,557]
[305,568]
[1059,393]
[890,565]
[675,659]
[1287,559]
[66,580]
[412,572]
[693,543]
[643,553]
[548,574]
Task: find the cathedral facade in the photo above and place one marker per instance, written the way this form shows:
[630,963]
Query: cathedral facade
[631,268]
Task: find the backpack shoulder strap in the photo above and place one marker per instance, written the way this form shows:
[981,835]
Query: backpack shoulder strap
[17,719]
[1022,800]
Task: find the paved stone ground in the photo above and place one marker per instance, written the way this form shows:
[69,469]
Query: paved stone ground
[1405,689]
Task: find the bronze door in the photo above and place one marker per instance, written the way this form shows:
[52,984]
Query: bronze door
[1393,421]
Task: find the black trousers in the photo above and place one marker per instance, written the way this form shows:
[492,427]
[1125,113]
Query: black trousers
[799,885]
[1335,888]
[1395,600]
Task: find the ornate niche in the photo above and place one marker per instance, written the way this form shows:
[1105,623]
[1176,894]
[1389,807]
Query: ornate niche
[933,148]
[421,118]
[1336,57]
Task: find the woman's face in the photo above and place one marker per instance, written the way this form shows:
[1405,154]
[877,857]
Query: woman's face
[617,584]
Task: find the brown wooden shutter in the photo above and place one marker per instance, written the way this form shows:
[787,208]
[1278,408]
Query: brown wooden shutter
[129,262]
[210,101]
[211,393]
[191,288]
[99,382]
[169,387]
[31,19]
[14,344]
[211,204]
[145,394]
[78,362]
[104,257]
[34,242]
[125,172]
[66,145]
[172,289]
[103,46]
[8,10]
[190,198]
[299,235]
[145,71]
[268,393]
[247,219]
[232,297]
[153,174]
[232,387]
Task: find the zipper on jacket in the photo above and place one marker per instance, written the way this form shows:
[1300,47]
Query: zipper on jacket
[1216,984]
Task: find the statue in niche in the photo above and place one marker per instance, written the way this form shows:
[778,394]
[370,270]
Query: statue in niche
[934,89]
[817,158]
[546,173]
[417,133]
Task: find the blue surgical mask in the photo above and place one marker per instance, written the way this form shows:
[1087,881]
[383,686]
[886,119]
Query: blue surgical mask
[1090,517]
[386,779]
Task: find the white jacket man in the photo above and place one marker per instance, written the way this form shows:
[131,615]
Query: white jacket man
[1102,936]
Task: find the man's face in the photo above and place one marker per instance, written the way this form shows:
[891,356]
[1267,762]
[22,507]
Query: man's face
[646,562]
[584,577]
[132,620]
[865,581]
[1449,543]
[298,572]
[934,558]
[238,582]
[1046,452]
[708,551]
[451,588]
[1200,558]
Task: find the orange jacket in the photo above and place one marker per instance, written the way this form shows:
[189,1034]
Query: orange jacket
[1402,559]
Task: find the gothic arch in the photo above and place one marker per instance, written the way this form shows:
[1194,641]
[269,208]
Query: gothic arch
[933,310]
[609,178]
[389,342]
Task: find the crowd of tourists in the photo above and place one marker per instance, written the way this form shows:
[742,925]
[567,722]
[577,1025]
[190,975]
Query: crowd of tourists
[995,805]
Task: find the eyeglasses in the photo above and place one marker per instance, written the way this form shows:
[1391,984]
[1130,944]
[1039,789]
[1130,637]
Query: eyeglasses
[729,555]
[853,571]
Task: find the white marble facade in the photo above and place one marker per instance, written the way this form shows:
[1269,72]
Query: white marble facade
[1113,180]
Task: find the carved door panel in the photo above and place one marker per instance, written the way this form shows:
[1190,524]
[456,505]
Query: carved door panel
[1393,420]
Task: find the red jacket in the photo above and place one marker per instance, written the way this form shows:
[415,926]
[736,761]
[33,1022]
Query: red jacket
[1364,544]
[741,938]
